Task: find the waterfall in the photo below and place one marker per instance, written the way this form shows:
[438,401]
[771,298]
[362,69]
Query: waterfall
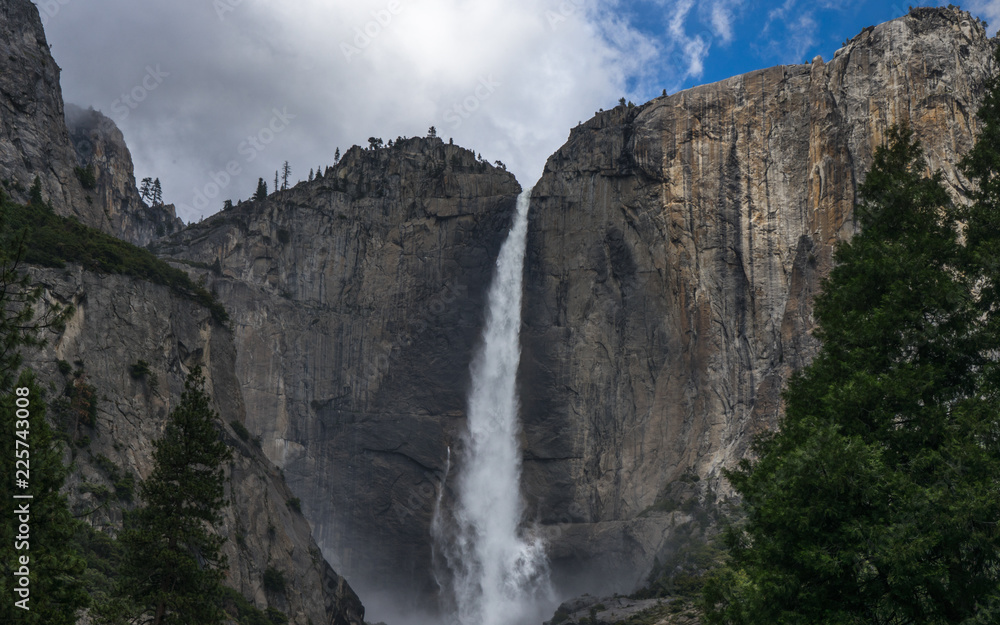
[498,569]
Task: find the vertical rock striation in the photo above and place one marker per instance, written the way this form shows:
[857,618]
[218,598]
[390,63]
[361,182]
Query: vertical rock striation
[673,254]
[357,301]
[120,321]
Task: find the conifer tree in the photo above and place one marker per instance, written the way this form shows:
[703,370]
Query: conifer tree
[336,155]
[261,192]
[55,587]
[286,171]
[35,193]
[157,193]
[877,499]
[146,189]
[172,563]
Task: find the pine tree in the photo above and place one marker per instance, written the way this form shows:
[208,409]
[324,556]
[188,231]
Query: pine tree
[432,132]
[146,189]
[286,171]
[261,192]
[319,173]
[868,505]
[275,180]
[35,193]
[157,193]
[55,583]
[310,179]
[336,155]
[172,564]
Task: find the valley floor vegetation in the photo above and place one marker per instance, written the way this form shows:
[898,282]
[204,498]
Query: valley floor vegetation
[877,501]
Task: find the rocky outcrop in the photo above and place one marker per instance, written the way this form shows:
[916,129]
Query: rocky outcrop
[121,323]
[35,140]
[674,250]
[101,152]
[357,300]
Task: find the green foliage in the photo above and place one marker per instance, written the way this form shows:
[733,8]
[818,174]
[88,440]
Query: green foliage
[56,568]
[86,176]
[284,237]
[53,241]
[56,591]
[64,367]
[295,504]
[274,580]
[139,370]
[261,192]
[35,199]
[245,613]
[877,500]
[240,430]
[172,565]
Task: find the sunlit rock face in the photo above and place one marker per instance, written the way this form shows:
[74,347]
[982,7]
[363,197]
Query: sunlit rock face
[674,250]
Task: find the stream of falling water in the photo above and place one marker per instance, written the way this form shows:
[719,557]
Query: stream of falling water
[498,569]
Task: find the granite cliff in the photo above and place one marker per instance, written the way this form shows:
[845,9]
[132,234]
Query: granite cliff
[674,249]
[357,301]
[121,322]
[36,141]
[673,254]
[130,343]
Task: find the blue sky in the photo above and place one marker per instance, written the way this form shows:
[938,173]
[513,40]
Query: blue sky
[740,36]
[505,78]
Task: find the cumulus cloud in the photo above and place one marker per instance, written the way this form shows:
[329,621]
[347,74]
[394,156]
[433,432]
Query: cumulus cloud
[258,82]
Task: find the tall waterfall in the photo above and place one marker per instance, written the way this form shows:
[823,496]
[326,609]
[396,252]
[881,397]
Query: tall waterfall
[499,572]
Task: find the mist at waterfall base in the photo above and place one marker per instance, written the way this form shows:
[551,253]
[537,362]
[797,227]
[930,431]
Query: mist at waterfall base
[491,566]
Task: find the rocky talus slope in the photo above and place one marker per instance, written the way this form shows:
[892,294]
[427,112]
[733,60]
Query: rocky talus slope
[35,140]
[120,321]
[674,249]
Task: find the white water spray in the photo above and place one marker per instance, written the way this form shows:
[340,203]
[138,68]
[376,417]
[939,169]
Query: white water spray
[499,570]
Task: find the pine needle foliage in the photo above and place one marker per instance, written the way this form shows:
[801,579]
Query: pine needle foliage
[172,566]
[877,501]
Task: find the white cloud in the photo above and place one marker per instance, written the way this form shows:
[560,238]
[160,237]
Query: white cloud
[722,19]
[694,49]
[989,10]
[500,76]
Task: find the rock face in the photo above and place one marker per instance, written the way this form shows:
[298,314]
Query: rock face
[673,253]
[357,301]
[674,249]
[100,146]
[35,141]
[120,321]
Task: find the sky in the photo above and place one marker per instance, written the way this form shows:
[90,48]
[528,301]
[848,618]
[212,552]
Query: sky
[213,94]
